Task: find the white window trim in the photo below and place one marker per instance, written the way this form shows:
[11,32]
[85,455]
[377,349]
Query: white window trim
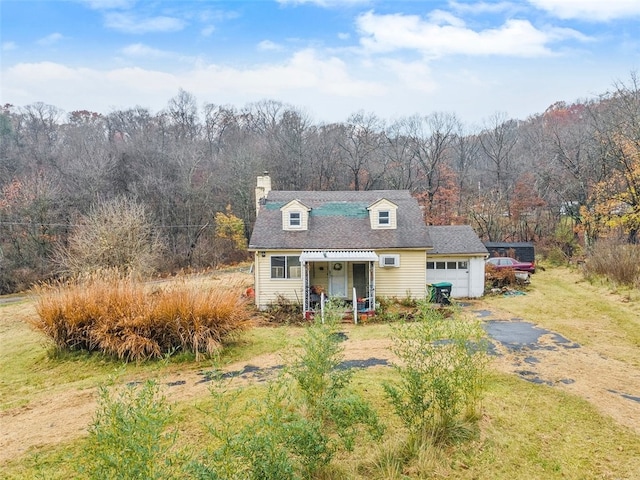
[387,218]
[299,224]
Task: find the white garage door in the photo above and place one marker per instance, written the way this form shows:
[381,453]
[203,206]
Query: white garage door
[452,270]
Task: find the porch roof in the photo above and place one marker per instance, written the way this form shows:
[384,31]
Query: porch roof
[338,255]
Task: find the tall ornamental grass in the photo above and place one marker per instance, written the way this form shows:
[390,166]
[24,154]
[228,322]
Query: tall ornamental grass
[122,318]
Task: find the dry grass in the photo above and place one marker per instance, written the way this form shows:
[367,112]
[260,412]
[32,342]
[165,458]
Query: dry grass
[617,261]
[121,317]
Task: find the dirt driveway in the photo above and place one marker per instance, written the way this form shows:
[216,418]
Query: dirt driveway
[518,347]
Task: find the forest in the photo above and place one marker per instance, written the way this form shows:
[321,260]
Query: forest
[179,184]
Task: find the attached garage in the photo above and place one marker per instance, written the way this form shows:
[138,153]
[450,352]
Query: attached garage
[458,257]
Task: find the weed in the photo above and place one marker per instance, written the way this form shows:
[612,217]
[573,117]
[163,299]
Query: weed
[127,438]
[441,374]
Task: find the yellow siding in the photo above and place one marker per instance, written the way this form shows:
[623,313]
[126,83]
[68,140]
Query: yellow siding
[295,206]
[383,205]
[407,280]
[267,289]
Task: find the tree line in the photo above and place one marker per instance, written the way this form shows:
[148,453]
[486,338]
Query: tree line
[566,176]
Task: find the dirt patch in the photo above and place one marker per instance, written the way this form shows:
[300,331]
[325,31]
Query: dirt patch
[67,416]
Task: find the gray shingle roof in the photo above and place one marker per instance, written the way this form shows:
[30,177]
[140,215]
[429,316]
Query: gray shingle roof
[339,220]
[455,239]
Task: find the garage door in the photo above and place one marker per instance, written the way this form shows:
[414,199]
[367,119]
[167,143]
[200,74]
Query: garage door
[452,270]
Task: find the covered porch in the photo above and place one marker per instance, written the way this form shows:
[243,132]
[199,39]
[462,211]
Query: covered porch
[347,275]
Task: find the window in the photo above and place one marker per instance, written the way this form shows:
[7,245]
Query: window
[285,267]
[451,265]
[431,265]
[463,265]
[294,219]
[440,265]
[384,218]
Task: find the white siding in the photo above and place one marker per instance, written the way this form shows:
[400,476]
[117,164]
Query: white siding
[465,282]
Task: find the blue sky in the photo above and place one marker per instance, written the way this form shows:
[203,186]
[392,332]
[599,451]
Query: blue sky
[329,58]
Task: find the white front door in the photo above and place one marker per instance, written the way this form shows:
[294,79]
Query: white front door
[337,280]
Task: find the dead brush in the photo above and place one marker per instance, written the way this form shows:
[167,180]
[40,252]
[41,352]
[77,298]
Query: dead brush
[120,317]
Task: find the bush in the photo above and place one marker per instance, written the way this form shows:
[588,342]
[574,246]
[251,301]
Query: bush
[119,317]
[127,438]
[617,261]
[306,418]
[441,371]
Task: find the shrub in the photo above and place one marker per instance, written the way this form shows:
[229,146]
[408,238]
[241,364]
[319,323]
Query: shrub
[308,415]
[119,317]
[496,278]
[128,437]
[441,371]
[284,311]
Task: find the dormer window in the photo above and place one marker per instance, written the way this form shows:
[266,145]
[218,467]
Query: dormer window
[383,215]
[295,216]
[295,220]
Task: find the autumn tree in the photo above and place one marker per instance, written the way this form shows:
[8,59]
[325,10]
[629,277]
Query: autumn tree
[230,241]
[616,197]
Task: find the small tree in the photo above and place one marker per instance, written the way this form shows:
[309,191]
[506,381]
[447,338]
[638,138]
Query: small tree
[441,373]
[115,234]
[230,242]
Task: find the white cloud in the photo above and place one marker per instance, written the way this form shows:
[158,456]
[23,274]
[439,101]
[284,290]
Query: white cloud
[482,7]
[325,3]
[50,39]
[591,10]
[108,4]
[9,46]
[139,50]
[208,31]
[130,24]
[449,35]
[268,45]
[303,76]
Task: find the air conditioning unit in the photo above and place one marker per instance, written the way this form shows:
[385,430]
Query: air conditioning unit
[389,261]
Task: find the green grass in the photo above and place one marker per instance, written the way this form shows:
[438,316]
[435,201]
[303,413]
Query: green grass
[527,431]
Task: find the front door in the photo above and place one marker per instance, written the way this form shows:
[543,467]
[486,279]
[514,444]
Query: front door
[337,280]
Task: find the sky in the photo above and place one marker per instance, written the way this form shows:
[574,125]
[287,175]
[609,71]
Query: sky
[327,58]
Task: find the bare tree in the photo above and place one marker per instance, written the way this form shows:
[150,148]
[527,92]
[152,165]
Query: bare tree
[115,234]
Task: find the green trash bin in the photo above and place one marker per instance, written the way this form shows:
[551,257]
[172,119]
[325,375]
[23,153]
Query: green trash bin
[440,293]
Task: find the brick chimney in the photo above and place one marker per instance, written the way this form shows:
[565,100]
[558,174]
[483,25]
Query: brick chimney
[263,187]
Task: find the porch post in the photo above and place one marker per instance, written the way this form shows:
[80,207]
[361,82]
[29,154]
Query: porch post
[305,290]
[372,285]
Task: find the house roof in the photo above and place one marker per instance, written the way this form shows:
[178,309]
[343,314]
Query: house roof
[455,239]
[339,220]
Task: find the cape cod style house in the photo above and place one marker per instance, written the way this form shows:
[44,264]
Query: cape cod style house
[352,245]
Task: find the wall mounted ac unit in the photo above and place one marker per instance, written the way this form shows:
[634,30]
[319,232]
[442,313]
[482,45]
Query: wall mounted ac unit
[389,261]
